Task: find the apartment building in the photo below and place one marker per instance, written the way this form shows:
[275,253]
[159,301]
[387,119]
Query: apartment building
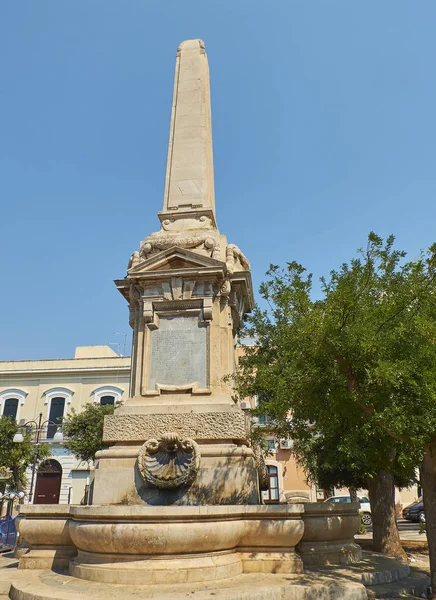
[52,388]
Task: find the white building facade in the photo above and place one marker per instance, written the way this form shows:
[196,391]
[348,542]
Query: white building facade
[52,388]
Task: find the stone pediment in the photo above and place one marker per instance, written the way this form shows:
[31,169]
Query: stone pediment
[174,258]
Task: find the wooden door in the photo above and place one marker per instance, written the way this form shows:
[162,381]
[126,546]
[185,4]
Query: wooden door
[48,483]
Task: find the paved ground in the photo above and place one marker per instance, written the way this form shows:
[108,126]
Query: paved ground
[408,531]
[384,576]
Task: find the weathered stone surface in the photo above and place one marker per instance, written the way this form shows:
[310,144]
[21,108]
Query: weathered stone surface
[189,181]
[198,426]
[247,586]
[178,352]
[169,463]
[227,475]
[45,529]
[329,530]
[116,543]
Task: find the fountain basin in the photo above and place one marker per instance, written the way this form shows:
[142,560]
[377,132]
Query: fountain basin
[45,527]
[329,530]
[147,545]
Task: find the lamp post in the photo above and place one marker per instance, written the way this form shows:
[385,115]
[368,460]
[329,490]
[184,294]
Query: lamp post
[36,427]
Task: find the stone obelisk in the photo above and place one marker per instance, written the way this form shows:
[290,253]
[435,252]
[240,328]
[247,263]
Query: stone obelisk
[187,290]
[189,184]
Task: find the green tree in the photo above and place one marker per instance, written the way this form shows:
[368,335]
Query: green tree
[18,456]
[351,377]
[84,430]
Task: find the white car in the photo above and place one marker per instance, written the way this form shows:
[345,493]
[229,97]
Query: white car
[365,507]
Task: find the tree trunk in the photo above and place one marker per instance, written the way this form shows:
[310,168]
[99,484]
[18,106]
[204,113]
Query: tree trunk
[428,482]
[385,534]
[353,494]
[17,480]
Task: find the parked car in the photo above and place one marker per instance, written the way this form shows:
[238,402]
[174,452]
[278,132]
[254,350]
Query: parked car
[365,507]
[415,511]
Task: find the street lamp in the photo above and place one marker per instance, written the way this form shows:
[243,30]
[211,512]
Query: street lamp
[36,427]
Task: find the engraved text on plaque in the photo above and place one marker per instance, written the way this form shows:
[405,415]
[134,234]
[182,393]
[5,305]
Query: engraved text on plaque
[178,353]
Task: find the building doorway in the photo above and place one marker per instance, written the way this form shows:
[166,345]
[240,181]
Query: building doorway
[48,483]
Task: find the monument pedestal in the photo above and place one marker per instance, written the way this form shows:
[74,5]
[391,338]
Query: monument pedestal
[227,475]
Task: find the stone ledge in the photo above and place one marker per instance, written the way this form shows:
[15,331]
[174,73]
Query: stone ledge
[198,426]
[47,585]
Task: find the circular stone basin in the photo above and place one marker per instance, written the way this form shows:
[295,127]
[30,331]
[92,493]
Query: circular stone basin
[47,525]
[160,544]
[329,530]
[182,529]
[330,521]
[152,530]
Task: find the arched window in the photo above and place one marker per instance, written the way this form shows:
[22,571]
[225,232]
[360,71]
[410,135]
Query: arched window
[108,394]
[57,400]
[10,402]
[56,415]
[105,400]
[10,408]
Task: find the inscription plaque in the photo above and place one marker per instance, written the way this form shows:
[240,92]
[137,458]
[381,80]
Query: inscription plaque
[178,353]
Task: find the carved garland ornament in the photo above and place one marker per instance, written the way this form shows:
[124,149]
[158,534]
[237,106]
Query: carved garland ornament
[169,462]
[156,242]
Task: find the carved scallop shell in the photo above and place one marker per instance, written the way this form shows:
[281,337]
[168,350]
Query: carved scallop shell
[169,462]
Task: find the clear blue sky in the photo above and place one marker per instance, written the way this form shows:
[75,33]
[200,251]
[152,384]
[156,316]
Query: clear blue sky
[324,129]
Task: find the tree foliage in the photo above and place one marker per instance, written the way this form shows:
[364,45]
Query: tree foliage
[84,430]
[351,376]
[18,456]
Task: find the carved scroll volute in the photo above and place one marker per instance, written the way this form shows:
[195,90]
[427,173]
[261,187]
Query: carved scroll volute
[169,462]
[207,309]
[147,311]
[133,305]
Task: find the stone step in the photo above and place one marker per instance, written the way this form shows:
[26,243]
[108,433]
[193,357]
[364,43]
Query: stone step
[44,585]
[389,575]
[414,586]
[373,569]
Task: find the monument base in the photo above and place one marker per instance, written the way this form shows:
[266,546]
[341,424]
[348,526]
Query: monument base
[156,570]
[47,585]
[227,475]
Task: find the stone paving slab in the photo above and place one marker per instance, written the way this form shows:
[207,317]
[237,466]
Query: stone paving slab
[373,569]
[321,583]
[40,585]
[47,585]
[414,586]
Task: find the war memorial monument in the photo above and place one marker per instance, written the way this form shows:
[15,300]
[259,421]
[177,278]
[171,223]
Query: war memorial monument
[176,496]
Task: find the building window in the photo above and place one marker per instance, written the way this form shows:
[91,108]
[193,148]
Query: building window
[57,400]
[10,408]
[107,400]
[272,494]
[271,444]
[11,401]
[108,394]
[56,415]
